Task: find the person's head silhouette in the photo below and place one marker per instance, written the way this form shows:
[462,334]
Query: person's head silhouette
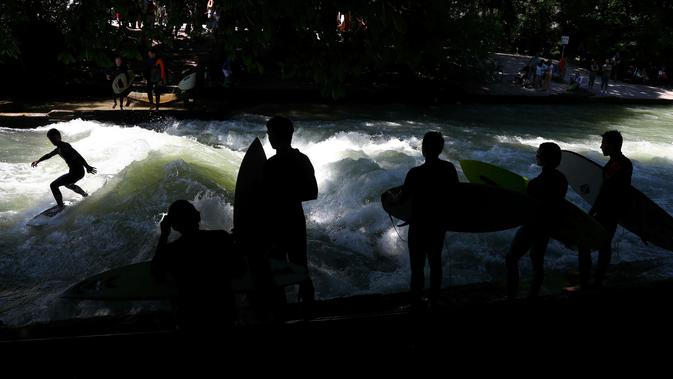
[433,144]
[548,155]
[183,217]
[611,143]
[54,136]
[280,131]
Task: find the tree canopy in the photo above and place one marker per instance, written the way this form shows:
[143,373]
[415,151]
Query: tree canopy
[402,40]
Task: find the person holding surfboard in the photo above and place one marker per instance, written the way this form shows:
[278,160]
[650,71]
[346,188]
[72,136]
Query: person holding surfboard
[202,263]
[155,73]
[611,202]
[75,163]
[120,69]
[428,186]
[288,180]
[549,188]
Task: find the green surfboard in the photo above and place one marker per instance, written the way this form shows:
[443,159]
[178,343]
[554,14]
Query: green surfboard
[485,173]
[576,228]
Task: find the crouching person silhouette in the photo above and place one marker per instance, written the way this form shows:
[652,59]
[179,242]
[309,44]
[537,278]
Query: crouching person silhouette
[202,263]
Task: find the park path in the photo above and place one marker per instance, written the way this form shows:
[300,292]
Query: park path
[510,64]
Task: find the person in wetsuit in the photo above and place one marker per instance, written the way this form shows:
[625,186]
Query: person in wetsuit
[608,207]
[429,187]
[155,74]
[288,180]
[75,163]
[549,188]
[202,263]
[120,68]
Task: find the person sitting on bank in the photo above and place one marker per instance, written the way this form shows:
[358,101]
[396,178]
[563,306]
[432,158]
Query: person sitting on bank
[202,263]
[549,188]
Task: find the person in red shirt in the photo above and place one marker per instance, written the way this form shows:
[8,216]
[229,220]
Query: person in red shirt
[155,73]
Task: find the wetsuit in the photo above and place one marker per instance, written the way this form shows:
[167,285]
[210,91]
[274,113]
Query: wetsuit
[76,165]
[289,179]
[608,207]
[429,186]
[549,188]
[155,73]
[123,69]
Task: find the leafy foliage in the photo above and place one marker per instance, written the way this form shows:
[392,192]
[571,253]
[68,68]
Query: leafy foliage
[393,41]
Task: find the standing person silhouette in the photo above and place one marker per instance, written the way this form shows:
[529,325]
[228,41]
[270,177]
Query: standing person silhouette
[429,187]
[75,162]
[609,206]
[288,180]
[155,74]
[549,188]
[120,68]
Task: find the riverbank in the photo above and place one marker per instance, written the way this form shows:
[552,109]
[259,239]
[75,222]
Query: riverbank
[472,316]
[258,96]
[472,325]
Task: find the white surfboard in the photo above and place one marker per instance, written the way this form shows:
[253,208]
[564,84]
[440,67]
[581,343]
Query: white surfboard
[48,215]
[575,228]
[188,82]
[136,282]
[641,215]
[584,176]
[120,83]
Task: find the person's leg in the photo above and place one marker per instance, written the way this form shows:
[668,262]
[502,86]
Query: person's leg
[416,263]
[73,177]
[584,261]
[297,254]
[157,92]
[434,250]
[60,181]
[538,249]
[150,89]
[605,252]
[519,247]
[114,99]
[77,189]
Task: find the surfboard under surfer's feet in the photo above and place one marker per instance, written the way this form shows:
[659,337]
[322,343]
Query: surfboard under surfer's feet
[51,212]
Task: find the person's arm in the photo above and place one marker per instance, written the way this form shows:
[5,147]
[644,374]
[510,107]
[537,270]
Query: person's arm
[613,188]
[309,190]
[407,187]
[45,157]
[159,259]
[235,260]
[453,174]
